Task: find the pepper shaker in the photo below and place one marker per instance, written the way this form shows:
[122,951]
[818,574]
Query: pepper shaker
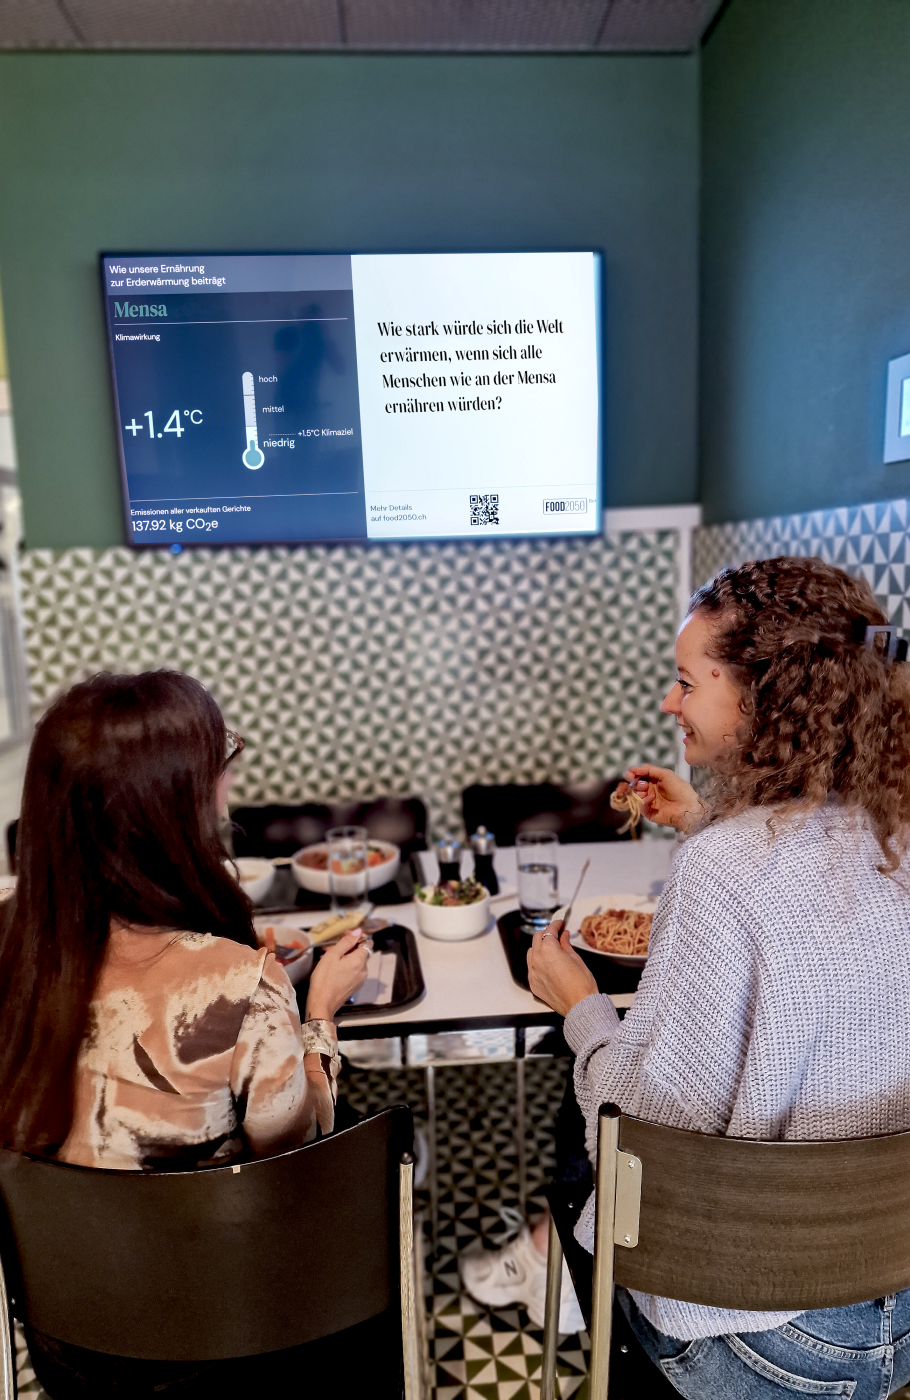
[483,844]
[448,855]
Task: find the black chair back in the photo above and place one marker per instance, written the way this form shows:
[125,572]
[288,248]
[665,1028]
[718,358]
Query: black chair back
[280,829]
[230,1262]
[575,811]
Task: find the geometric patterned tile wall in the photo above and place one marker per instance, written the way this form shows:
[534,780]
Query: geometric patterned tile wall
[870,540]
[409,668]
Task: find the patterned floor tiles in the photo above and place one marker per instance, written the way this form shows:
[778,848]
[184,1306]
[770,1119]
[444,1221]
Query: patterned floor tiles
[26,1381]
[476,1354]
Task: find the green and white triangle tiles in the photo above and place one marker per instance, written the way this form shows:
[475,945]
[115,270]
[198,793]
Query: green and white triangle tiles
[353,671]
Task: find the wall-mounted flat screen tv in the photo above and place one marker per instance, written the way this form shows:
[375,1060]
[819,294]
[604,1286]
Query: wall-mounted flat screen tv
[276,398]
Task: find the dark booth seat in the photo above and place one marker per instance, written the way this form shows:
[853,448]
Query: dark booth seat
[280,829]
[575,811]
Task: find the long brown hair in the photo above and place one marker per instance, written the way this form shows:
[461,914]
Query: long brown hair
[823,713]
[118,822]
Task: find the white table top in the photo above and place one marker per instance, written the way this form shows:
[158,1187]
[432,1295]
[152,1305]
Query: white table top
[469,985]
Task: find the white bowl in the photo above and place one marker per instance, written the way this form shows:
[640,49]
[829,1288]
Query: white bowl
[255,875]
[301,964]
[317,881]
[455,922]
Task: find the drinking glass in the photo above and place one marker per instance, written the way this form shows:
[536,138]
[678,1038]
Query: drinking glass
[536,854]
[346,847]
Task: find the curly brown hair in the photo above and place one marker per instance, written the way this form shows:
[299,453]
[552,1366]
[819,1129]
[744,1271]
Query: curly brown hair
[823,713]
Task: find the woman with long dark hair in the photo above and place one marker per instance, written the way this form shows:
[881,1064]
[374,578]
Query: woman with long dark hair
[141,1025]
[776,998]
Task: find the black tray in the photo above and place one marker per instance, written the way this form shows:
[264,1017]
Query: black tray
[408,986]
[516,940]
[286,896]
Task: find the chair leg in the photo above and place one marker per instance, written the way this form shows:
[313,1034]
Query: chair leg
[7,1348]
[604,1225]
[420,1310]
[410,1302]
[520,1131]
[551,1316]
[432,1169]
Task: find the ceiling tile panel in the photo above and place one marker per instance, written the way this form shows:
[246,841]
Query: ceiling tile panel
[483,24]
[518,25]
[27,24]
[208,23]
[657,24]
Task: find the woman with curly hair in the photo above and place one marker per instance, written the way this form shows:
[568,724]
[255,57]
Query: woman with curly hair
[776,999]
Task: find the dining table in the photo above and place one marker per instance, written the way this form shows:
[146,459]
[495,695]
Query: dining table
[469,985]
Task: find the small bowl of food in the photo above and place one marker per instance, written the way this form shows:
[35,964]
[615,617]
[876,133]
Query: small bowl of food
[292,946]
[310,867]
[453,910]
[617,927]
[255,875]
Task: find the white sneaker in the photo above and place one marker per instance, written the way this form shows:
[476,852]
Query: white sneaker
[421,1155]
[518,1274]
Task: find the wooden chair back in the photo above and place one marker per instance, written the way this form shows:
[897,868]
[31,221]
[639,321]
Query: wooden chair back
[208,1265]
[736,1223]
[768,1226]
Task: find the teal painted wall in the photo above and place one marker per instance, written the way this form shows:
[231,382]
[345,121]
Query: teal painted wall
[223,152]
[805,252]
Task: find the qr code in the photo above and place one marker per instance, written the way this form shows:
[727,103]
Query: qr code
[484,510]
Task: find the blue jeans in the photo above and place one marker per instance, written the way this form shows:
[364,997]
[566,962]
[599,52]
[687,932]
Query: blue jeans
[862,1351]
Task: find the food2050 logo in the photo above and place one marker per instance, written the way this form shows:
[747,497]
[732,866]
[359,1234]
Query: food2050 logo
[568,506]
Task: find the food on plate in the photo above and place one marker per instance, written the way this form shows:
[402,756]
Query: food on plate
[336,925]
[452,893]
[623,931]
[288,949]
[314,860]
[318,859]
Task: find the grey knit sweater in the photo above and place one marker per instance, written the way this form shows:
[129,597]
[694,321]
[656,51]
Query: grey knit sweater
[775,1004]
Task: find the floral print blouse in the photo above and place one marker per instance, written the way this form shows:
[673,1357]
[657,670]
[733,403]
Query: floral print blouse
[192,1038]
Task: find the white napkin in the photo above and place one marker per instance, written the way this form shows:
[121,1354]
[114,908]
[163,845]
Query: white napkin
[377,989]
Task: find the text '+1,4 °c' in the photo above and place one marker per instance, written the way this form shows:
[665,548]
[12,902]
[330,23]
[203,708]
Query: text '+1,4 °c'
[173,424]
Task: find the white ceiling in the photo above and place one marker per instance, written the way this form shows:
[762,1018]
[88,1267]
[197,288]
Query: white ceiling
[488,25]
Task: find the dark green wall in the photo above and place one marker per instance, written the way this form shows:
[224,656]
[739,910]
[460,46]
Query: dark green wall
[223,152]
[805,252]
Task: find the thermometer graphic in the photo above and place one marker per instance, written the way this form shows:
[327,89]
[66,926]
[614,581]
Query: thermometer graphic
[252,457]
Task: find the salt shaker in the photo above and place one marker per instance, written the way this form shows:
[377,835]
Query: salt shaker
[448,855]
[483,844]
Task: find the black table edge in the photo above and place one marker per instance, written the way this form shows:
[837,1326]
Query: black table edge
[353,1030]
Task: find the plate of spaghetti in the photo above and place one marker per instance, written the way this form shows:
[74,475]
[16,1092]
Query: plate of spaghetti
[616,926]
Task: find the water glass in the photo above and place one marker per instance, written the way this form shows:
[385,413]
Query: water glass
[346,848]
[537,858]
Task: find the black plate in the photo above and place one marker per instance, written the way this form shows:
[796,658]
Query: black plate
[407,987]
[516,940]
